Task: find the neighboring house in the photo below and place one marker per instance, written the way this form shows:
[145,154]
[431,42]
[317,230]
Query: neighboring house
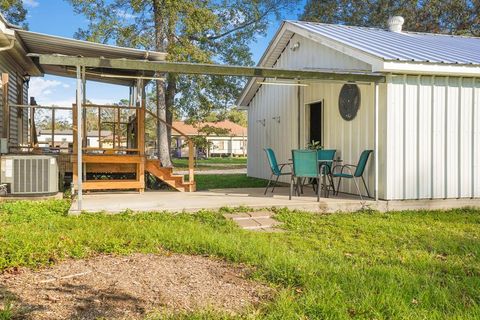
[427,106]
[62,138]
[233,143]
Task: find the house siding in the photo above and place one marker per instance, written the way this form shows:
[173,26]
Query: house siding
[433,134]
[18,129]
[349,138]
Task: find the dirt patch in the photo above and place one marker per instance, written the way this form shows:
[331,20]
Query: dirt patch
[120,287]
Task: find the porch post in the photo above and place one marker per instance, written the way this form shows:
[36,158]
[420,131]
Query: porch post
[299,108]
[79,138]
[375,151]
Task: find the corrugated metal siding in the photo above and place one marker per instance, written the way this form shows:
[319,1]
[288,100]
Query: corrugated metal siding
[282,101]
[433,140]
[349,138]
[7,65]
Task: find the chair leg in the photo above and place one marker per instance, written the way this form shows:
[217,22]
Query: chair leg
[358,188]
[291,188]
[275,183]
[366,188]
[318,189]
[268,185]
[330,178]
[338,185]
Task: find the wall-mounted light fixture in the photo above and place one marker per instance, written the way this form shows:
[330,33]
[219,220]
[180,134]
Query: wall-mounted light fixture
[26,78]
[261,121]
[277,118]
[295,46]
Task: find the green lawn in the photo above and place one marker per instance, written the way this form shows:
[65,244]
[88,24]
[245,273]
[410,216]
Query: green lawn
[213,163]
[401,265]
[221,181]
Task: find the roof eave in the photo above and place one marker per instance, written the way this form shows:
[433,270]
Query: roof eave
[429,68]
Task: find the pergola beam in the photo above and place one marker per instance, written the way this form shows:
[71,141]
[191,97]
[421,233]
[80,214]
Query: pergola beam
[207,69]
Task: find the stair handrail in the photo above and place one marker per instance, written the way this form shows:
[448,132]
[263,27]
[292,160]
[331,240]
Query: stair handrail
[191,161]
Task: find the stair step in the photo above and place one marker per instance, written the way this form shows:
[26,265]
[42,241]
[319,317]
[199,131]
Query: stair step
[166,175]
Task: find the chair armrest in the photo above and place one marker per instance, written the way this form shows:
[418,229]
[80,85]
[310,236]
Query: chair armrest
[344,166]
[282,165]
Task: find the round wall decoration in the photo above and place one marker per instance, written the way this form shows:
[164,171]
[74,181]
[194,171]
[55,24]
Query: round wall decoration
[349,101]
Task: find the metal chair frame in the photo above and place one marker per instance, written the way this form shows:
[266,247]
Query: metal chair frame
[280,167]
[350,171]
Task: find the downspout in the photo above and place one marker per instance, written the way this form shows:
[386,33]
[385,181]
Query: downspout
[10,46]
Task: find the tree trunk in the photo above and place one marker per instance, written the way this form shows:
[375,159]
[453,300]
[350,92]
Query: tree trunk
[162,130]
[170,101]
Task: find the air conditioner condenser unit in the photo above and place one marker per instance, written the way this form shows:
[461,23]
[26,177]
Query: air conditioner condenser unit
[30,175]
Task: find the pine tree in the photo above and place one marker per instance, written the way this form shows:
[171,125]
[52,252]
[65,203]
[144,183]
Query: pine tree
[14,12]
[460,17]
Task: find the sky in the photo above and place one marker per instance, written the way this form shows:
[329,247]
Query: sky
[56,17]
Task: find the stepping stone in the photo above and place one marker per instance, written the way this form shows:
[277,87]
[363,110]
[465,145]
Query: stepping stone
[236,216]
[260,214]
[256,221]
[248,224]
[267,222]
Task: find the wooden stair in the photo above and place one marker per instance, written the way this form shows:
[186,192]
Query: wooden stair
[166,175]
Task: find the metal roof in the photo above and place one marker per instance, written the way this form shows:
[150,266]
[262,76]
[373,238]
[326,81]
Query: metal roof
[28,42]
[48,44]
[401,46]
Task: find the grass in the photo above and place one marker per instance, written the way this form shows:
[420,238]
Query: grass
[367,265]
[213,163]
[220,181]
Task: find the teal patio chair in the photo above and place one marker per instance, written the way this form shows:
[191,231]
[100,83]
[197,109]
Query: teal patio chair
[327,154]
[305,165]
[275,167]
[359,170]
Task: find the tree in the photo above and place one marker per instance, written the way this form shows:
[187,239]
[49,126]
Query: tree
[234,115]
[188,30]
[14,11]
[439,16]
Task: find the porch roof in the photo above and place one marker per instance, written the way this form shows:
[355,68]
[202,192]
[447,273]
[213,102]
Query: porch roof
[27,42]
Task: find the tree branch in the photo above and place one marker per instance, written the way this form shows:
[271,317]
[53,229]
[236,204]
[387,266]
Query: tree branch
[239,27]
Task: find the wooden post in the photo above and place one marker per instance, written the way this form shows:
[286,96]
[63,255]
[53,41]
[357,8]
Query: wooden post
[119,118]
[114,126]
[6,113]
[32,122]
[191,163]
[53,127]
[99,127]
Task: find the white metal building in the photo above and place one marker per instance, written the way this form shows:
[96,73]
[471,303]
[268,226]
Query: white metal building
[423,120]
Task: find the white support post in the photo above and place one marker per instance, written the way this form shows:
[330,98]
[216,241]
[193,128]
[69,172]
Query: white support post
[84,112]
[375,151]
[79,138]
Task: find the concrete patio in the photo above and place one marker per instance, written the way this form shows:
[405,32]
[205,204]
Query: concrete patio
[252,198]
